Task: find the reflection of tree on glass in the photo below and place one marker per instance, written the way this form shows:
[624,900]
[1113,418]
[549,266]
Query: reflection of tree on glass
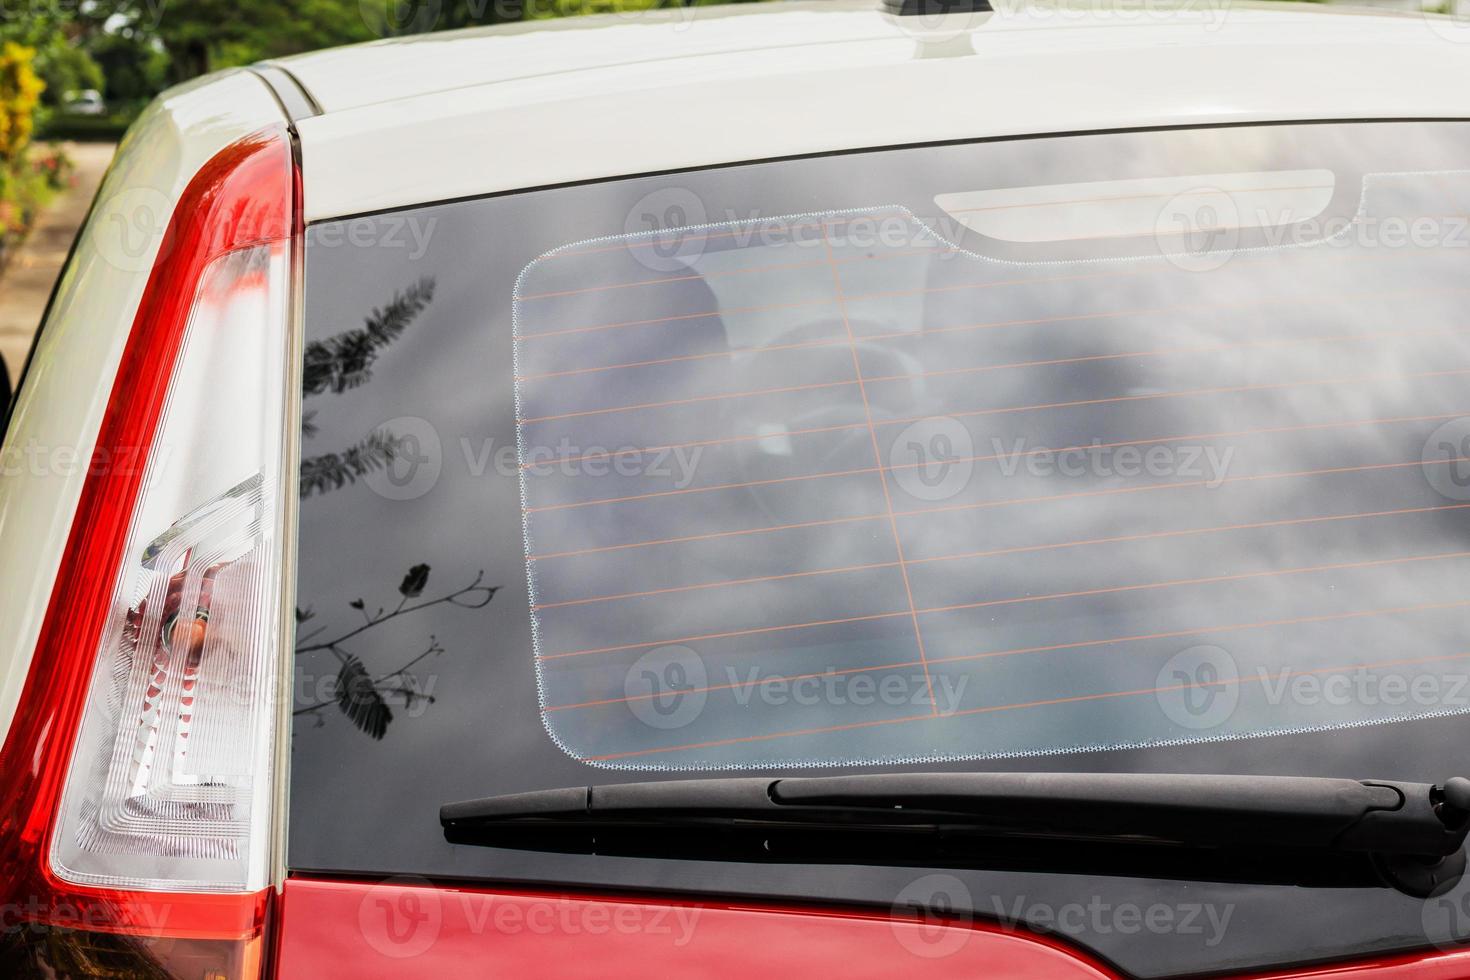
[332,366]
[345,361]
[362,696]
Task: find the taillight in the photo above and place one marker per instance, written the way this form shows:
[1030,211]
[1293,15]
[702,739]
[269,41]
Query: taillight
[137,780]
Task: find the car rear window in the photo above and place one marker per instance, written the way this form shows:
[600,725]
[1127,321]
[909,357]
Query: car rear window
[1074,450]
[847,486]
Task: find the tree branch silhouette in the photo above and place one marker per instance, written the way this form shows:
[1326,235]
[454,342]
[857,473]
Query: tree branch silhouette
[363,697]
[332,471]
[345,360]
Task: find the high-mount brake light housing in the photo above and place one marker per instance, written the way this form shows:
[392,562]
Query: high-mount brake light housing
[137,779]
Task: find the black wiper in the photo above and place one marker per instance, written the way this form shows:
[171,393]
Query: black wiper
[1236,828]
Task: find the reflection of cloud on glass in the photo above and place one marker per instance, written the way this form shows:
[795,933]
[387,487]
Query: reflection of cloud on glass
[1308,552]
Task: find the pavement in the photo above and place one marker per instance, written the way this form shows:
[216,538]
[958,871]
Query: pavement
[25,283]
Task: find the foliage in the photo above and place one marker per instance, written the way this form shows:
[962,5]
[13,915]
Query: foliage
[130,50]
[345,360]
[333,471]
[362,696]
[28,178]
[134,65]
[107,128]
[20,93]
[200,36]
[62,62]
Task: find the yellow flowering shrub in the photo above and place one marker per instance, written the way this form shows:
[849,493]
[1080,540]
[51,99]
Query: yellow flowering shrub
[20,91]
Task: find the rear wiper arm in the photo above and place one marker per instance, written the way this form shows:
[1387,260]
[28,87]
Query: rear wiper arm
[1410,835]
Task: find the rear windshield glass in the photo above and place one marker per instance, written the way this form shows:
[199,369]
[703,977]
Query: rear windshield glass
[1018,448]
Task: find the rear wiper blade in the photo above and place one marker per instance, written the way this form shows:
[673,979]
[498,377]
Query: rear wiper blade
[1297,828]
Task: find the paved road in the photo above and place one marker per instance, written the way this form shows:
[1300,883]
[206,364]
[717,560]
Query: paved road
[26,282]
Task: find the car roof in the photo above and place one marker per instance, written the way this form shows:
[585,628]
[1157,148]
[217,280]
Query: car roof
[461,113]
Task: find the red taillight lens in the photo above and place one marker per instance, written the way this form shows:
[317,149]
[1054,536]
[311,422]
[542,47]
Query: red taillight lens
[136,782]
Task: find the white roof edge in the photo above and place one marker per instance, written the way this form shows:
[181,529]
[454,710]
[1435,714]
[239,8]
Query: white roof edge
[1010,76]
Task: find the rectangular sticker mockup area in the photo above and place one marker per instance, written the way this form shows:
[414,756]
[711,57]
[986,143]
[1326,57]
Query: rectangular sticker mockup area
[828,488]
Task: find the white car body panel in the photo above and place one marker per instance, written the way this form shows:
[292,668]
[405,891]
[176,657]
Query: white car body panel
[418,120]
[59,408]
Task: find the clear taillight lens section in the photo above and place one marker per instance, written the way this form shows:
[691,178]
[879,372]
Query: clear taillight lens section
[136,779]
[170,784]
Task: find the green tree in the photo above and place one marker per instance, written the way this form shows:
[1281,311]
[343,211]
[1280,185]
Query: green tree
[63,65]
[200,36]
[134,66]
